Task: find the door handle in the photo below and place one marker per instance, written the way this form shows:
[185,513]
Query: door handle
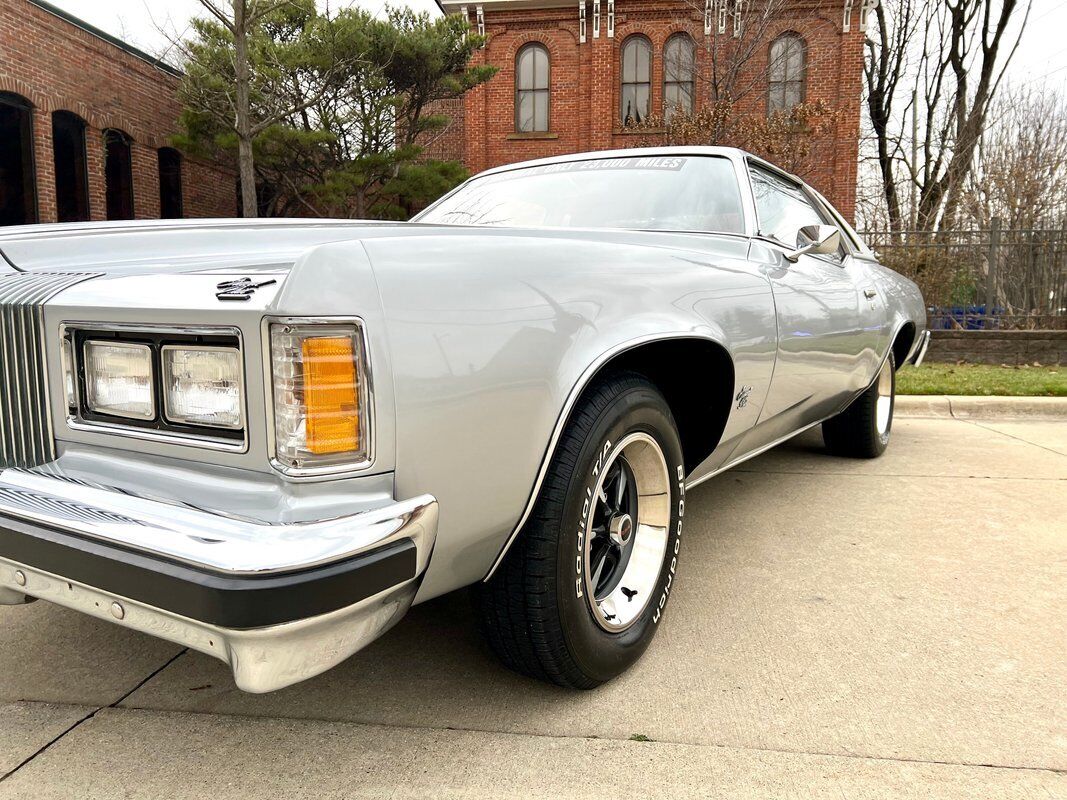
[870,294]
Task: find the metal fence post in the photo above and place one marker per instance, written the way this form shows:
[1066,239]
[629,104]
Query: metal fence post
[991,278]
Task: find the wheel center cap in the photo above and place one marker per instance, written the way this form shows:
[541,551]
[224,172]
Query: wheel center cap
[621,529]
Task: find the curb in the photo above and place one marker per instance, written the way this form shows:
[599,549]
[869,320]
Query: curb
[977,407]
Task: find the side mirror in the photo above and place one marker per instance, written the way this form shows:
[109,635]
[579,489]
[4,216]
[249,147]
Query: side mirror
[815,239]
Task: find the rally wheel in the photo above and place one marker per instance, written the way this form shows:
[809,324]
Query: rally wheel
[582,591]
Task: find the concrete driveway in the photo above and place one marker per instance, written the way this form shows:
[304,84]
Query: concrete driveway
[840,629]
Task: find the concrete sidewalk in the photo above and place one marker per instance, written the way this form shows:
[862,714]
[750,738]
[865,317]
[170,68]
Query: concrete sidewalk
[981,407]
[886,628]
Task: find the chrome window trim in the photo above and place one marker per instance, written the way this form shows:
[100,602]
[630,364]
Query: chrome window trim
[78,423]
[328,471]
[242,421]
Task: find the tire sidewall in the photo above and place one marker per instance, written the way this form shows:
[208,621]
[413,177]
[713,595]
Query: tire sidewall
[598,653]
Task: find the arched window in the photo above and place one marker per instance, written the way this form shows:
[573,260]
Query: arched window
[636,80]
[170,183]
[72,178]
[531,88]
[679,75]
[118,174]
[18,190]
[786,75]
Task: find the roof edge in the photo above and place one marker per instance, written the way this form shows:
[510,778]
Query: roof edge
[107,37]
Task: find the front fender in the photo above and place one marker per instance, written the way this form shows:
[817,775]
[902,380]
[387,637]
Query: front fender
[336,280]
[492,339]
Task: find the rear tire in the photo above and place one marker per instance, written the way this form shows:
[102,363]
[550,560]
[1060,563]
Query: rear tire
[581,592]
[862,430]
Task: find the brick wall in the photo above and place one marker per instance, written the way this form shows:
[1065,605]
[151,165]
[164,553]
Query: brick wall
[584,81]
[56,65]
[999,347]
[447,144]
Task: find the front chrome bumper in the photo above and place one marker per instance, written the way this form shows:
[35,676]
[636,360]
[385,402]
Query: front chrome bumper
[279,603]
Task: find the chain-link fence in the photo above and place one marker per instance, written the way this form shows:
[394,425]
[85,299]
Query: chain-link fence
[983,279]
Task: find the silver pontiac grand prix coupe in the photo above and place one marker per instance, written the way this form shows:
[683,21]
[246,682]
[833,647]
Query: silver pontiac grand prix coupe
[265,440]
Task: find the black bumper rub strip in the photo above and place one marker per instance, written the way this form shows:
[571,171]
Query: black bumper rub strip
[228,601]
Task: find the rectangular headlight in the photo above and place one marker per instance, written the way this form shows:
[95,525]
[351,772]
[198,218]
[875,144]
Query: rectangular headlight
[202,386]
[118,379]
[320,395]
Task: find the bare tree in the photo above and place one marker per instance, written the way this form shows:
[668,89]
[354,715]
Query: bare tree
[732,71]
[938,66]
[1020,171]
[733,54]
[888,49]
[1020,180]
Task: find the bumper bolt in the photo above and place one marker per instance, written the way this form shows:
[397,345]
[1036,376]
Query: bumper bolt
[117,611]
[20,577]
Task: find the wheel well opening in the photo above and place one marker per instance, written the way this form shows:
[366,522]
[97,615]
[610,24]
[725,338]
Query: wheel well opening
[696,377]
[902,344]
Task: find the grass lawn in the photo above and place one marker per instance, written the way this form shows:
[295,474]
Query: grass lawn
[982,379]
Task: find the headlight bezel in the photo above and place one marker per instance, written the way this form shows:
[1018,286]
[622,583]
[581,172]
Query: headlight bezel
[74,333]
[360,461]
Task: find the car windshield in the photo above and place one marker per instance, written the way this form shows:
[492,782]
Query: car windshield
[665,193]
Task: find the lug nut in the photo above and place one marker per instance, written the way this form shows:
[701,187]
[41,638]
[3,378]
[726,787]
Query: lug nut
[20,577]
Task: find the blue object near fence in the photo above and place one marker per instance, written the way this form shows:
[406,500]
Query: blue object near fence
[970,318]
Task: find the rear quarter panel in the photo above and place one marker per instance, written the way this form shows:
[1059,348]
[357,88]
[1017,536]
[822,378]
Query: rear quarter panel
[904,301]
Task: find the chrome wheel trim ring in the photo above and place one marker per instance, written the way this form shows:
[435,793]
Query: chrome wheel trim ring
[629,593]
[883,407]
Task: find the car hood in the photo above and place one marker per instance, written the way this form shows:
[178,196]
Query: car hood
[140,248]
[243,247]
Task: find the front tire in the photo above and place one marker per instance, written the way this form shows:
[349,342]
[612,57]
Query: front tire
[581,592]
[862,430]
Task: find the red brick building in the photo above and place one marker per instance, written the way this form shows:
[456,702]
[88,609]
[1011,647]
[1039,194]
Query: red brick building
[572,74]
[85,123]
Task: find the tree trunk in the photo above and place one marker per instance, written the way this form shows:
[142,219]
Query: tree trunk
[247,170]
[885,166]
[245,161]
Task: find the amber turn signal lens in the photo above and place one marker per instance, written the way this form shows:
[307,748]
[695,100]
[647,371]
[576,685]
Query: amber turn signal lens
[331,394]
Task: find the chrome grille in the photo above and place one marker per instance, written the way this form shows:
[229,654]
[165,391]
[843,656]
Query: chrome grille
[25,429]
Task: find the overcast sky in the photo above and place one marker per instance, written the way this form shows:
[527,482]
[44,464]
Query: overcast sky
[1042,56]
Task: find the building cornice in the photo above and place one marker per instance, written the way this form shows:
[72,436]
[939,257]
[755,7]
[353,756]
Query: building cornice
[106,37]
[453,6]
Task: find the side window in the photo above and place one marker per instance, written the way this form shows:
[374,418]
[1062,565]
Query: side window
[782,208]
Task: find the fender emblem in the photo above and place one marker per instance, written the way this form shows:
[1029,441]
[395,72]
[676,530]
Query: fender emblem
[742,396]
[240,289]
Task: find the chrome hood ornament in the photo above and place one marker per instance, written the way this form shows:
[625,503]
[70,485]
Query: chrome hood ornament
[240,289]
